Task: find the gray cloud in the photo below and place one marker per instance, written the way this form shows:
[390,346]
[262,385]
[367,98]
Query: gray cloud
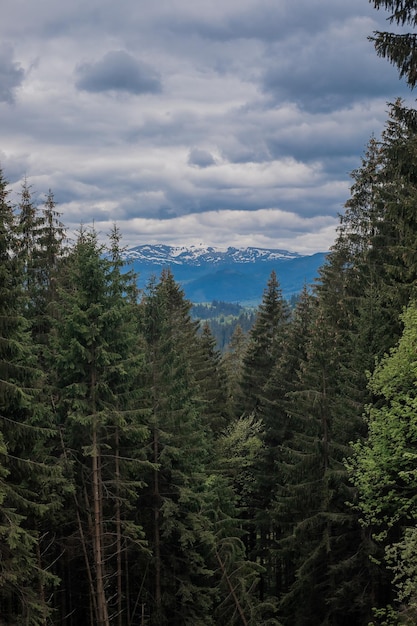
[264,109]
[118,71]
[200,158]
[11,75]
[330,70]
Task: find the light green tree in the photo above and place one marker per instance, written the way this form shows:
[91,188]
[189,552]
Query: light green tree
[384,466]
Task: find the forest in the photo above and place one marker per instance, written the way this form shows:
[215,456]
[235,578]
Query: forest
[148,479]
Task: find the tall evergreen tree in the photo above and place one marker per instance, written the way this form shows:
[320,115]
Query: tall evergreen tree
[264,345]
[212,384]
[25,478]
[277,433]
[233,364]
[399,48]
[179,588]
[96,377]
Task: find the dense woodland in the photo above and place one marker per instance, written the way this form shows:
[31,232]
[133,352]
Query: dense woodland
[223,318]
[146,479]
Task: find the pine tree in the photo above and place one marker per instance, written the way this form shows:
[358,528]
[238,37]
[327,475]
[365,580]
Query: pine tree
[25,483]
[264,345]
[179,590]
[399,48]
[276,435]
[212,385]
[96,377]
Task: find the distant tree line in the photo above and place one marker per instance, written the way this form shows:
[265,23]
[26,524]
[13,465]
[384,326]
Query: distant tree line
[223,318]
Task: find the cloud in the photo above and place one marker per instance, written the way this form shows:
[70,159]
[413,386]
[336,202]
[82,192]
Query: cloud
[267,228]
[11,75]
[250,111]
[200,158]
[118,71]
[329,70]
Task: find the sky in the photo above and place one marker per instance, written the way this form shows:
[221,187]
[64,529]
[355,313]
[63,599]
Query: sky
[223,122]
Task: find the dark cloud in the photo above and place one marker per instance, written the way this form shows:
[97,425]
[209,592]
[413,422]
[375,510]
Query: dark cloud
[200,158]
[265,20]
[330,71]
[118,71]
[11,75]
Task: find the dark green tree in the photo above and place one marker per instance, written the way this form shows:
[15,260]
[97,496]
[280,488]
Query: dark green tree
[233,364]
[212,384]
[26,494]
[96,373]
[264,345]
[276,436]
[179,583]
[399,48]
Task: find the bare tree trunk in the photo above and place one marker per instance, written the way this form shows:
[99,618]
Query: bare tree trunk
[232,590]
[41,586]
[157,537]
[83,540]
[118,532]
[102,611]
[102,614]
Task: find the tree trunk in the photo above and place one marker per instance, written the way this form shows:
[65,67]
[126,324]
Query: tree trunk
[157,538]
[118,533]
[102,611]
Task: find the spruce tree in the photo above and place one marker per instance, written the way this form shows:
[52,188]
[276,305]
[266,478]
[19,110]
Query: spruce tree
[399,48]
[96,373]
[277,433]
[212,384]
[233,365]
[264,345]
[25,484]
[178,587]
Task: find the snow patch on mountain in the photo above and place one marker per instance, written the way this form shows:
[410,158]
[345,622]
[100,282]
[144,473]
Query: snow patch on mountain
[160,254]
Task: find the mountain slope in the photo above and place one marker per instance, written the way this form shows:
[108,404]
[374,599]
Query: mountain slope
[232,275]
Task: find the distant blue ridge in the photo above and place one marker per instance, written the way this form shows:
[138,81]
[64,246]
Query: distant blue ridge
[234,275]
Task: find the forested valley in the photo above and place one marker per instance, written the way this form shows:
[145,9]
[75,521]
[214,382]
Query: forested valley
[148,479]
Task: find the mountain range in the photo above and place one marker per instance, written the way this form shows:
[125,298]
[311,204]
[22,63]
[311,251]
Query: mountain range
[228,275]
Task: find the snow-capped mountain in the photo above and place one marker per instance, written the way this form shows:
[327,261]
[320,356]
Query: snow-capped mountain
[230,275]
[200,255]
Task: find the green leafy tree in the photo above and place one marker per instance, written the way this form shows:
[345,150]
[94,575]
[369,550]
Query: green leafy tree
[383,465]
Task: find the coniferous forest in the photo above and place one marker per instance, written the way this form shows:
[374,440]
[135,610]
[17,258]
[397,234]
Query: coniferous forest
[147,479]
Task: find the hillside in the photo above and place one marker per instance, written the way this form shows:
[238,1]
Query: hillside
[232,275]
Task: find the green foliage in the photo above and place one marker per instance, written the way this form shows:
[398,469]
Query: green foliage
[223,318]
[384,464]
[400,49]
[383,467]
[264,347]
[203,488]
